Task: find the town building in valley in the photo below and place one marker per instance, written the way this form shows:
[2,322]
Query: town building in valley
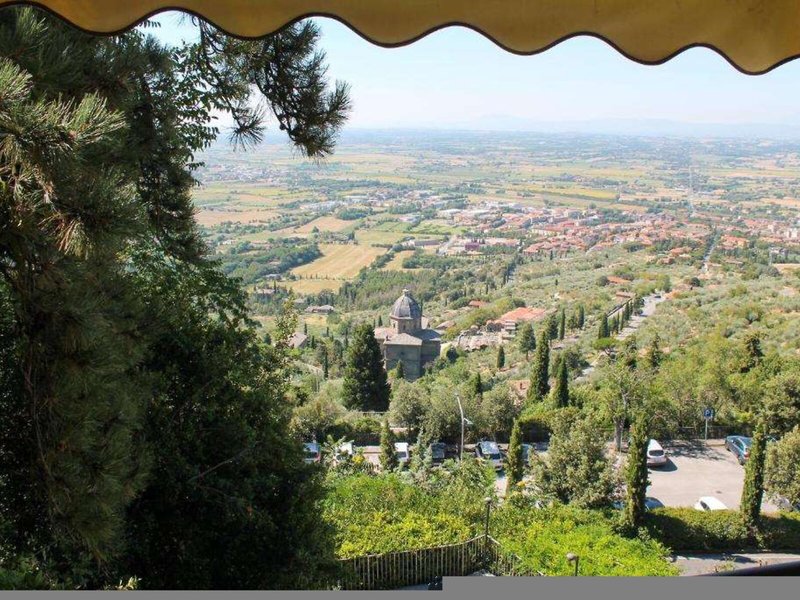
[408,339]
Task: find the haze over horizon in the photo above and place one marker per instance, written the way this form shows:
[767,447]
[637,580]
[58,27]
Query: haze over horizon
[456,79]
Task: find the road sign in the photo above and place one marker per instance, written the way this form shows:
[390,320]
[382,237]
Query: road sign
[708,414]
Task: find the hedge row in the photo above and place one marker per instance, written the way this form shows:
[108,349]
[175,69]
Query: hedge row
[690,530]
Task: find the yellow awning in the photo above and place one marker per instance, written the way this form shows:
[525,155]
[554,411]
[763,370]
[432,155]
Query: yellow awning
[754,35]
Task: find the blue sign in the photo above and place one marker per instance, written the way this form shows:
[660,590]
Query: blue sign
[708,414]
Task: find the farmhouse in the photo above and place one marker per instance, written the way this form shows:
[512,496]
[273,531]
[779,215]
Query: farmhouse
[407,340]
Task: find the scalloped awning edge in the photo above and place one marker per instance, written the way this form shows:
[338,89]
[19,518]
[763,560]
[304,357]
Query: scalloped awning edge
[755,36]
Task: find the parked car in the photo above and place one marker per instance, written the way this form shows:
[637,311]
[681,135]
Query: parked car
[437,452]
[650,503]
[739,445]
[489,451]
[656,457]
[403,454]
[313,453]
[344,452]
[707,503]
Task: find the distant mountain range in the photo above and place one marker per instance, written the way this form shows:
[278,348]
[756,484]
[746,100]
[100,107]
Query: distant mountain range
[644,127]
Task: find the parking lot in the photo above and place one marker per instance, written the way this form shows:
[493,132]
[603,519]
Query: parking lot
[697,469]
[693,469]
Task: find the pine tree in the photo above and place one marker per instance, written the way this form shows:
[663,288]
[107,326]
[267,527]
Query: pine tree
[527,339]
[561,390]
[388,457]
[753,491]
[636,473]
[501,358]
[562,325]
[581,316]
[365,385]
[515,466]
[539,386]
[603,330]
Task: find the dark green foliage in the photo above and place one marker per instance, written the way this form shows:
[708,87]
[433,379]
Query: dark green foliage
[388,457]
[752,351]
[636,473]
[541,537]
[561,390]
[581,318]
[562,325]
[540,377]
[365,382]
[654,354]
[475,386]
[783,468]
[686,530]
[515,466]
[501,358]
[527,339]
[603,330]
[148,424]
[552,327]
[576,470]
[753,490]
[399,370]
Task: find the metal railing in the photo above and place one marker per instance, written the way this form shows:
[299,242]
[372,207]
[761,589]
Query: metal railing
[395,570]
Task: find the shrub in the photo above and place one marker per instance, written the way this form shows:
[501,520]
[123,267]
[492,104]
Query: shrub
[542,537]
[689,530]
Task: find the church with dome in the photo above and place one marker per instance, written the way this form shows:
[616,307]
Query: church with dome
[408,339]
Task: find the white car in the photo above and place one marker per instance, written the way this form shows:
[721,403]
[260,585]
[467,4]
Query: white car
[707,503]
[656,457]
[489,452]
[402,453]
[313,453]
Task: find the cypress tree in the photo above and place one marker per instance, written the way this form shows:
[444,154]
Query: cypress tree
[636,473]
[365,386]
[603,331]
[539,373]
[581,316]
[562,325]
[476,386]
[399,370]
[515,466]
[561,389]
[753,491]
[325,365]
[552,327]
[654,354]
[388,457]
[501,358]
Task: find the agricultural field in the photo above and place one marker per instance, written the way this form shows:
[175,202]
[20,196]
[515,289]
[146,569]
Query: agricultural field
[339,261]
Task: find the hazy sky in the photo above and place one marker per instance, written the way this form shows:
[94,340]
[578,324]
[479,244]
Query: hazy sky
[457,77]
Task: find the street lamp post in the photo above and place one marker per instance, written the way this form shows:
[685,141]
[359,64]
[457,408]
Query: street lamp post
[461,410]
[574,558]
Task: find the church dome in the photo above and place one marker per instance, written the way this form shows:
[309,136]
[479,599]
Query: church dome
[405,307]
